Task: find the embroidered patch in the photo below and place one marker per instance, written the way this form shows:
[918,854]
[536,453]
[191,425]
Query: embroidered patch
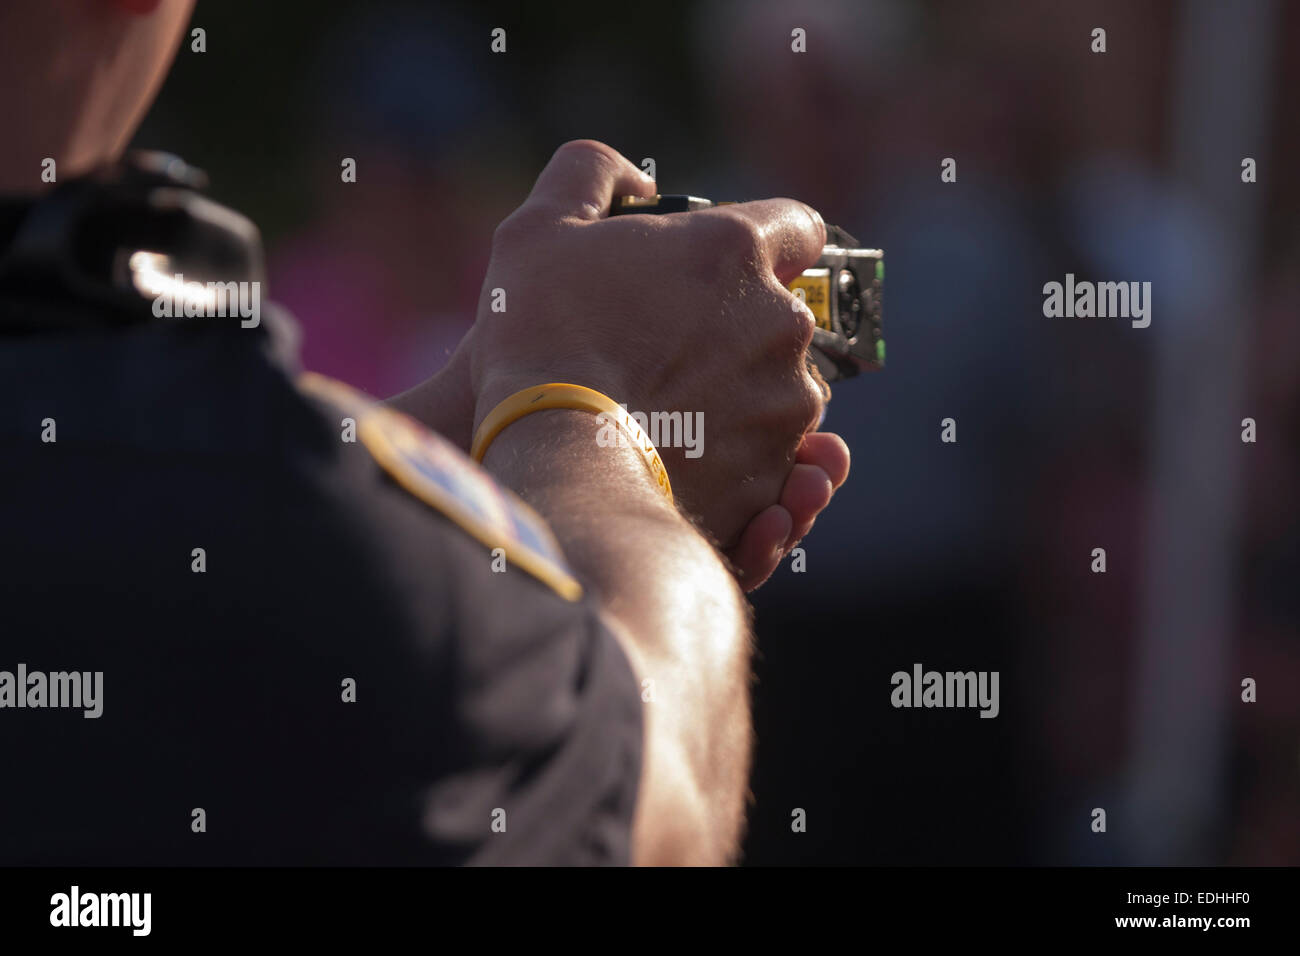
[442,476]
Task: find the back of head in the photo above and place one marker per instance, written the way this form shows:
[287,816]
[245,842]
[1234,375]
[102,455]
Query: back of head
[78,77]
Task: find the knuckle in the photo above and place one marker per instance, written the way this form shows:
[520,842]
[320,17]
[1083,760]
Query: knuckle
[588,152]
[815,234]
[803,322]
[507,233]
[518,229]
[737,237]
[788,324]
[810,402]
[583,147]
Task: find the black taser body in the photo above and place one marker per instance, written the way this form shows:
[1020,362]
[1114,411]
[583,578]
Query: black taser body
[843,291]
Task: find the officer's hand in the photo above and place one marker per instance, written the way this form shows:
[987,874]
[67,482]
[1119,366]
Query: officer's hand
[684,312]
[823,465]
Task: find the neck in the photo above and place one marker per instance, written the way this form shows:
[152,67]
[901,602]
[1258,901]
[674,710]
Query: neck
[30,171]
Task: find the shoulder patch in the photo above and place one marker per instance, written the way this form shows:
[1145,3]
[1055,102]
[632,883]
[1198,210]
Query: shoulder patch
[441,475]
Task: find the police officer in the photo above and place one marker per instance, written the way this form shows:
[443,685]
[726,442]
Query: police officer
[253,616]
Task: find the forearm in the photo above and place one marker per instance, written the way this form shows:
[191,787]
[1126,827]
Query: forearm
[677,612]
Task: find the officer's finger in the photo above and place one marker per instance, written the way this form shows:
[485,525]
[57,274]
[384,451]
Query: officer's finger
[807,491]
[761,546]
[583,177]
[828,452]
[789,234]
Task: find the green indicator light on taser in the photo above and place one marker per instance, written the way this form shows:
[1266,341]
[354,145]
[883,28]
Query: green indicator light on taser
[880,270]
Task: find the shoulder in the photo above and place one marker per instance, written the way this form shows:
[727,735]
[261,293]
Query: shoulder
[442,479]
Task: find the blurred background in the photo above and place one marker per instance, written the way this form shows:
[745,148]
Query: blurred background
[1119,690]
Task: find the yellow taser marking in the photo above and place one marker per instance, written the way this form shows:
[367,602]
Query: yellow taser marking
[816,286]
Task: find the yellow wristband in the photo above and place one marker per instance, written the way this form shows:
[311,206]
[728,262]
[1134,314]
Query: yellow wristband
[562,395]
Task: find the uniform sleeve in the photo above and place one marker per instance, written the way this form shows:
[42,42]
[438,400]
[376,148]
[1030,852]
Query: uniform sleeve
[519,713]
[548,724]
